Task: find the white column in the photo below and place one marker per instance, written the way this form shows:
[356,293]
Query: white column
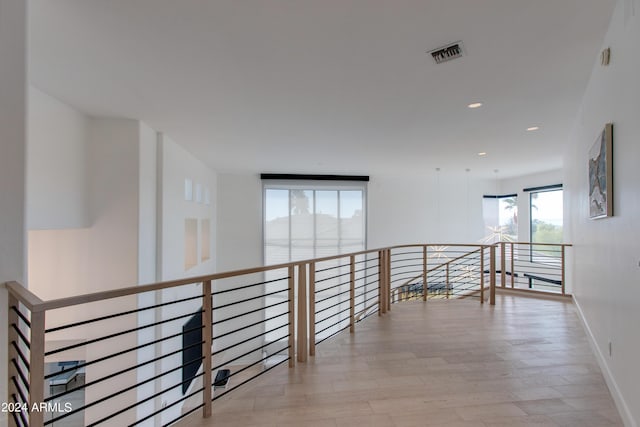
[13,113]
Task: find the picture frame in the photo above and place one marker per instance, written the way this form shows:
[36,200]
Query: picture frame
[601,175]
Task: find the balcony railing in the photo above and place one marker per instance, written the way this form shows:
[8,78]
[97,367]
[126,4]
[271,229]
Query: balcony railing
[153,354]
[533,266]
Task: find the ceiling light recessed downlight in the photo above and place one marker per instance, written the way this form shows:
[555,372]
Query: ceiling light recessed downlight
[482,153]
[533,128]
[475,105]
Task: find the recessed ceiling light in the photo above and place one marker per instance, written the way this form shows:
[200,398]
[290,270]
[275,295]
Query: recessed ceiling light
[482,153]
[475,105]
[532,128]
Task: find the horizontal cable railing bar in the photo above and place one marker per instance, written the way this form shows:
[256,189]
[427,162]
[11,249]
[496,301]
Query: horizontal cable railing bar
[317,322]
[332,296]
[123,371]
[23,395]
[21,356]
[332,287]
[224,291]
[332,277]
[406,263]
[218,307]
[405,269]
[367,276]
[262,347]
[368,299]
[217,322]
[364,286]
[260,322]
[21,375]
[124,313]
[249,339]
[321,270]
[24,339]
[330,307]
[405,253]
[363,269]
[116,334]
[21,315]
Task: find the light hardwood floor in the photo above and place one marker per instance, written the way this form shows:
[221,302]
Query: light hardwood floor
[524,362]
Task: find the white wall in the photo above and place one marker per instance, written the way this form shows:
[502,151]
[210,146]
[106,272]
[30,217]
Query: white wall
[13,137]
[434,207]
[239,221]
[56,191]
[177,164]
[606,272]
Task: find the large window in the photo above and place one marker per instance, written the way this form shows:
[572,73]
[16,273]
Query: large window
[310,221]
[546,215]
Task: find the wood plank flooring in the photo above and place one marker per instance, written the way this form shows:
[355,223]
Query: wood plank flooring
[524,362]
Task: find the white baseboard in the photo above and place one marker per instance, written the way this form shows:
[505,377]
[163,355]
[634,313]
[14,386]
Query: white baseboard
[621,404]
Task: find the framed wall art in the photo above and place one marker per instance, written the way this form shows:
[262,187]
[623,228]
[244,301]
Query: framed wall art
[601,175]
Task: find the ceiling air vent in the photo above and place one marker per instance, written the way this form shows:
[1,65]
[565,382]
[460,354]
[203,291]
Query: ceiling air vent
[447,53]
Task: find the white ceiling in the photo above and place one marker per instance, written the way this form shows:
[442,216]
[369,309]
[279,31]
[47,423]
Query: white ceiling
[329,86]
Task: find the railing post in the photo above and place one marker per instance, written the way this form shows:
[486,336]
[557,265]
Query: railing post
[36,368]
[382,305]
[447,280]
[513,268]
[562,268]
[302,313]
[352,295]
[207,338]
[482,275]
[292,318]
[388,277]
[503,264]
[425,286]
[312,309]
[492,261]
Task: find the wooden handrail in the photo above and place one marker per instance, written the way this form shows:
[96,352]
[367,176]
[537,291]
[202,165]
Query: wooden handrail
[539,244]
[26,297]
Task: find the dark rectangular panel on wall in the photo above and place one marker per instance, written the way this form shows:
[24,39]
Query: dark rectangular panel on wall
[191,352]
[544,188]
[491,196]
[302,177]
